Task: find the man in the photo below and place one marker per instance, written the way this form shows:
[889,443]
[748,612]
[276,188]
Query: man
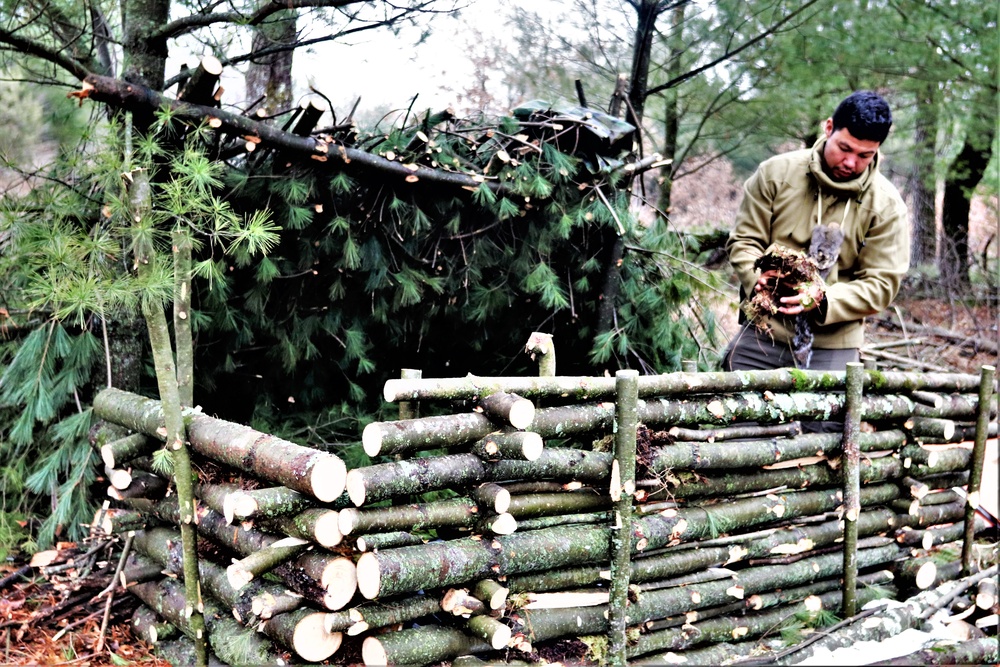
[835,185]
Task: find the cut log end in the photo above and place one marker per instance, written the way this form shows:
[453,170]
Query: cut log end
[371,439]
[522,413]
[533,446]
[501,503]
[504,524]
[347,520]
[108,455]
[373,653]
[926,575]
[212,65]
[340,579]
[327,530]
[240,504]
[369,581]
[356,488]
[238,576]
[312,641]
[328,478]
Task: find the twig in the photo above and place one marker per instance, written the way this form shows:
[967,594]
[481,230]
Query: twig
[815,637]
[24,569]
[111,592]
[75,624]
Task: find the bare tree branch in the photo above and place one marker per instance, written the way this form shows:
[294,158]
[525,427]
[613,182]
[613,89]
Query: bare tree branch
[729,54]
[39,50]
[192,22]
[134,97]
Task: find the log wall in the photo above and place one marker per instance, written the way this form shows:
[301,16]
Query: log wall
[501,520]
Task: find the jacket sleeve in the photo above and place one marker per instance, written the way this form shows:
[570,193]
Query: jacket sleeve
[882,263]
[751,235]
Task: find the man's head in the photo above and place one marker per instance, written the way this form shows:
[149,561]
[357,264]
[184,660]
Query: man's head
[854,133]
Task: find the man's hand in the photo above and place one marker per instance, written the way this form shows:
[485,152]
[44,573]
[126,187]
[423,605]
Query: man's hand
[810,296]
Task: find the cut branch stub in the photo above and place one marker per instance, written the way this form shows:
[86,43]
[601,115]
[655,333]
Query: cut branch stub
[505,408]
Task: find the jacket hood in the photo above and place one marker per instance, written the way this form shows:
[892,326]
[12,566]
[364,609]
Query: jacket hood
[858,185]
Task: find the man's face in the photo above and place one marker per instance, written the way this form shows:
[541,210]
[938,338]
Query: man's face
[845,156]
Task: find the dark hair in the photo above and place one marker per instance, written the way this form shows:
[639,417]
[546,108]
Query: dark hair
[865,115]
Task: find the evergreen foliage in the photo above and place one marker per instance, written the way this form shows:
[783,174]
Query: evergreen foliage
[317,281]
[374,273]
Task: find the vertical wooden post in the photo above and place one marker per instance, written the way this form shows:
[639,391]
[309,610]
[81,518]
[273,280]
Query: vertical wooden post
[689,365]
[851,467]
[976,464]
[541,347]
[408,410]
[622,491]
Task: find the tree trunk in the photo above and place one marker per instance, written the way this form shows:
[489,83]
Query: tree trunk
[270,75]
[963,176]
[922,181]
[671,112]
[174,430]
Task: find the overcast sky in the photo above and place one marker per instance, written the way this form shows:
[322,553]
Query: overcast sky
[384,69]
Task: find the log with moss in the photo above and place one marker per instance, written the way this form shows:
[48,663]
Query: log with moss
[384,481]
[581,388]
[443,431]
[231,642]
[149,627]
[438,564]
[744,626]
[508,409]
[323,578]
[518,445]
[302,469]
[788,430]
[122,450]
[243,571]
[384,438]
[376,541]
[304,631]
[541,624]
[451,513]
[761,452]
[381,614]
[163,546]
[692,485]
[420,646]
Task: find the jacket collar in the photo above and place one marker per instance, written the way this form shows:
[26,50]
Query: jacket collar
[856,186]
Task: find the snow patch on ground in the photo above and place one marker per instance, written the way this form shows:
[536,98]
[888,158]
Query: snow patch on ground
[868,652]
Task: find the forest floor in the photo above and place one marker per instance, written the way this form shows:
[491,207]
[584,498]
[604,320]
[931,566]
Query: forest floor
[57,620]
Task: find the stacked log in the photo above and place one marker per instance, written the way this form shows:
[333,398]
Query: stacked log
[738,514]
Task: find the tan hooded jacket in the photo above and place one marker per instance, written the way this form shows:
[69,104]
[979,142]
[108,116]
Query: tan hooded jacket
[785,199]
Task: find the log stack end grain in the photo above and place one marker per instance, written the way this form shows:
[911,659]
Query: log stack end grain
[328,478]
